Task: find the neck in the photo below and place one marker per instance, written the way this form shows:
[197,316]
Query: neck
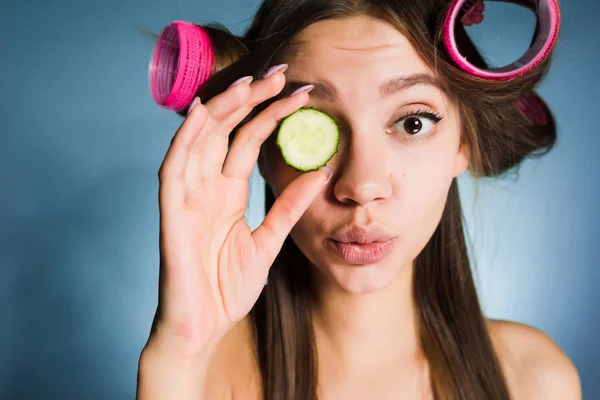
[362,331]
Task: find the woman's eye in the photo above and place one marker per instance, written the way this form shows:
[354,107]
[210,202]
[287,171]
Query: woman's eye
[417,124]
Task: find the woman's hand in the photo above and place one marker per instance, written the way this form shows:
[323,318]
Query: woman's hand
[212,265]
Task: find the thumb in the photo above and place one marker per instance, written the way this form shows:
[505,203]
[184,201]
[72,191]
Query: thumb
[286,211]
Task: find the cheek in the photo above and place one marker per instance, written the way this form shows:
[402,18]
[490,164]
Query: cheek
[423,202]
[427,182]
[423,184]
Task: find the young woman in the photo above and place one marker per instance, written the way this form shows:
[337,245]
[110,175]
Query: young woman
[369,291]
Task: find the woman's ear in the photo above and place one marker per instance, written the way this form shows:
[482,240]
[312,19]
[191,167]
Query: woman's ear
[462,159]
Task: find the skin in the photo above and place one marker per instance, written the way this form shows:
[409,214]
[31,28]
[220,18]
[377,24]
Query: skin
[382,176]
[363,316]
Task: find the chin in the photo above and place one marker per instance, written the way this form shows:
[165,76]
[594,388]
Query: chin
[361,279]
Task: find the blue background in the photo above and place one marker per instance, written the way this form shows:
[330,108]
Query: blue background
[80,145]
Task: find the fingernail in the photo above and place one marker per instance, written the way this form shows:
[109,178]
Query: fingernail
[248,78]
[272,70]
[328,171]
[196,100]
[306,89]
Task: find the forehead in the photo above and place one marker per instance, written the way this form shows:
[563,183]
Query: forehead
[354,62]
[358,44]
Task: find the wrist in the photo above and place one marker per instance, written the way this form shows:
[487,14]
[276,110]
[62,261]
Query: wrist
[168,369]
[179,351]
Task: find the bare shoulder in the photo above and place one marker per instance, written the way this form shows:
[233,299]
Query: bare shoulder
[534,365]
[233,373]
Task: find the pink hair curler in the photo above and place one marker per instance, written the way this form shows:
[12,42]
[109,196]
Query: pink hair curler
[534,109]
[182,60]
[471,12]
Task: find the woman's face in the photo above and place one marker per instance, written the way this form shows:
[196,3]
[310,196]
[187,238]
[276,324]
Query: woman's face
[391,175]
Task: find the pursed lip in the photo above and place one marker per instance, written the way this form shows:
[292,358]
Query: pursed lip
[360,235]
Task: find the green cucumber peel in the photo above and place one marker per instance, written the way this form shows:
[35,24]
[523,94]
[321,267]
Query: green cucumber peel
[308,139]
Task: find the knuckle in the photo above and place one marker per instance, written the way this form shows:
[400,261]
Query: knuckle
[278,110]
[271,114]
[269,229]
[289,208]
[240,96]
[255,142]
[273,120]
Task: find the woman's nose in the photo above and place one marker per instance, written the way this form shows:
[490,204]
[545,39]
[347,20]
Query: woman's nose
[362,174]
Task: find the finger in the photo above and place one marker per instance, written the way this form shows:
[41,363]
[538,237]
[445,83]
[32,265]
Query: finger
[242,97]
[226,111]
[204,159]
[245,148]
[286,211]
[262,90]
[212,148]
[230,100]
[172,170]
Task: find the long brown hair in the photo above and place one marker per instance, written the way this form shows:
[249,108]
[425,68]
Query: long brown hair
[452,331]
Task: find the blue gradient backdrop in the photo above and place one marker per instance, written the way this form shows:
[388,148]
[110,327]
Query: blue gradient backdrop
[81,142]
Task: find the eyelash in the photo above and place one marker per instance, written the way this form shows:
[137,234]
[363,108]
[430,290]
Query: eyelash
[435,117]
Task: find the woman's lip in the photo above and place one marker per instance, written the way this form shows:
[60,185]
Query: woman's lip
[362,254]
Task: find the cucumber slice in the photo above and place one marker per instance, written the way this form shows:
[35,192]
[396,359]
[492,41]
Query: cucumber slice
[308,139]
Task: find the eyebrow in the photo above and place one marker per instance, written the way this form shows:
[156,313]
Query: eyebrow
[326,91]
